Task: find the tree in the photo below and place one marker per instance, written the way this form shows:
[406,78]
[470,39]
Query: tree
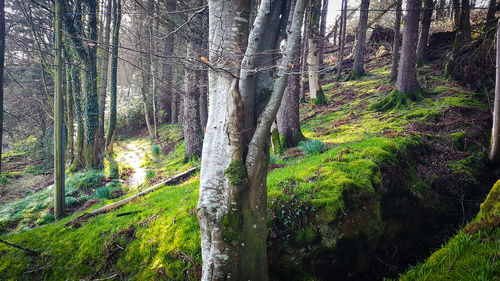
[359,52]
[495,134]
[288,122]
[462,36]
[316,93]
[2,62]
[407,88]
[232,204]
[424,31]
[396,41]
[103,75]
[87,52]
[343,24]
[322,31]
[193,137]
[115,41]
[58,117]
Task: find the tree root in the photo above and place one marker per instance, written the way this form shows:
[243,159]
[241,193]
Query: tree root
[397,100]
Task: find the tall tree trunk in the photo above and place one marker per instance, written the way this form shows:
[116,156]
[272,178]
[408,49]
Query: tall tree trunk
[103,75]
[233,199]
[193,137]
[317,95]
[322,31]
[407,89]
[287,120]
[424,31]
[79,159]
[2,62]
[359,51]
[407,75]
[58,117]
[117,9]
[203,98]
[396,41]
[167,99]
[495,134]
[69,112]
[342,38]
[462,36]
[92,149]
[303,60]
[489,27]
[456,13]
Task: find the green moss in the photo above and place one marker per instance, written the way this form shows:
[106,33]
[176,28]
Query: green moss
[276,141]
[320,98]
[353,75]
[236,173]
[459,140]
[305,235]
[398,100]
[232,222]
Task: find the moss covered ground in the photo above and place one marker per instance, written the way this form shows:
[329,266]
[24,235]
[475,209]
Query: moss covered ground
[322,202]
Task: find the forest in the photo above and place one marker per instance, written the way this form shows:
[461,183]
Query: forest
[298,140]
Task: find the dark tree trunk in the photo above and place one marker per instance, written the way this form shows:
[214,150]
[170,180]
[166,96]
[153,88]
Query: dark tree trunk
[203,98]
[193,136]
[407,89]
[167,98]
[288,121]
[489,27]
[407,75]
[342,38]
[117,9]
[69,112]
[396,42]
[359,52]
[462,36]
[424,31]
[2,60]
[79,159]
[58,115]
[103,75]
[322,32]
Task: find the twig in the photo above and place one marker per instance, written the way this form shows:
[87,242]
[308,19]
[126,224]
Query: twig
[31,252]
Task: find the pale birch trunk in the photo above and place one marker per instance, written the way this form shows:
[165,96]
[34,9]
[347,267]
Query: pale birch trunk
[233,199]
[315,91]
[495,134]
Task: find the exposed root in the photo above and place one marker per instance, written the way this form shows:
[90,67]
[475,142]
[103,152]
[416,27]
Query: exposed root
[397,100]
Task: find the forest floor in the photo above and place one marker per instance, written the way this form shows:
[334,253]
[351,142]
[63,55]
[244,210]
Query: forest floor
[332,187]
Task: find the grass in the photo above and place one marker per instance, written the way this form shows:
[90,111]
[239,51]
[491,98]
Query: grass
[318,188]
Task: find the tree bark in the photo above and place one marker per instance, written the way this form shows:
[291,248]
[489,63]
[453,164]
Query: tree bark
[103,75]
[342,38]
[193,137]
[322,31]
[79,159]
[303,60]
[233,200]
[495,134]
[489,27]
[117,9]
[359,51]
[407,75]
[287,120]
[315,91]
[58,117]
[462,36]
[396,42]
[69,112]
[2,62]
[424,31]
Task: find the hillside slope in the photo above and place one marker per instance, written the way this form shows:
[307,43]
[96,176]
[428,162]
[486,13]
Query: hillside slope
[377,193]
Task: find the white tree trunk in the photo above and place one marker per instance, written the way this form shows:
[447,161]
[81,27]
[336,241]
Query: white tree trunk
[495,134]
[233,195]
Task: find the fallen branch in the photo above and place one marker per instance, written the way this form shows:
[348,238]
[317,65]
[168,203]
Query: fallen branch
[31,252]
[85,217]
